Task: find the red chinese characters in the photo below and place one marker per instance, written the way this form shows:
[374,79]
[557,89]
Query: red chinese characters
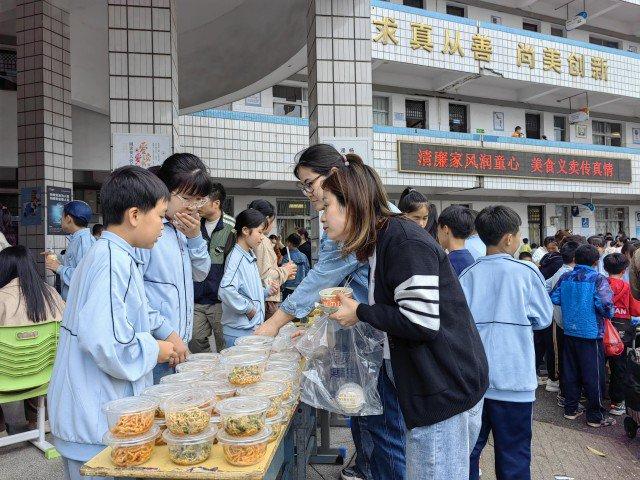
[455,160]
[608,169]
[500,162]
[597,169]
[442,159]
[585,168]
[471,161]
[562,166]
[513,164]
[573,168]
[536,165]
[425,158]
[550,166]
[485,161]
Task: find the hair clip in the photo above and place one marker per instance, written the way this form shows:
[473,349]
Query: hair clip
[345,161]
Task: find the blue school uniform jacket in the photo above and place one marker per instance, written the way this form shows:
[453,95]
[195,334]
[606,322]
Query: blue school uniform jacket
[240,291]
[78,245]
[169,270]
[107,346]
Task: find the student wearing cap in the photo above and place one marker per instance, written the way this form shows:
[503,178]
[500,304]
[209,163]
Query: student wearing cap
[76,216]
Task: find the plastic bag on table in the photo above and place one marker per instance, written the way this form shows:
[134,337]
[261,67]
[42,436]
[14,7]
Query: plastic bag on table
[342,368]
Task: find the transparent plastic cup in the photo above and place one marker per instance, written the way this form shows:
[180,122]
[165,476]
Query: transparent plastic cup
[190,449]
[189,413]
[132,451]
[243,416]
[130,416]
[245,451]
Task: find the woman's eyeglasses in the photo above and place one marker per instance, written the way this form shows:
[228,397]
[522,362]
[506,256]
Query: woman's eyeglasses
[197,203]
[307,187]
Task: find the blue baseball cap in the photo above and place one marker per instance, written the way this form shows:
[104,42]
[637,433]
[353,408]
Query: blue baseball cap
[78,209]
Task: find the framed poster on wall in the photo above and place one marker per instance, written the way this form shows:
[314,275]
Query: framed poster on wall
[581,130]
[142,149]
[498,121]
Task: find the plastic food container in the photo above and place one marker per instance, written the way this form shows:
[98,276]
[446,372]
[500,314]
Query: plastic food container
[162,426]
[255,340]
[245,451]
[188,413]
[184,377]
[218,375]
[243,416]
[129,452]
[131,416]
[159,393]
[272,391]
[202,367]
[245,350]
[290,405]
[282,365]
[329,297]
[286,356]
[191,449]
[288,378]
[206,357]
[221,390]
[350,397]
[245,369]
[215,423]
[276,424]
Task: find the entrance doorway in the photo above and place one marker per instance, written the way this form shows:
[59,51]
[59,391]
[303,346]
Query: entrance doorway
[532,125]
[535,217]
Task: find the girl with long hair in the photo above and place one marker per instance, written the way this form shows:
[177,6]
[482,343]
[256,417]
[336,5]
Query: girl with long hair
[437,357]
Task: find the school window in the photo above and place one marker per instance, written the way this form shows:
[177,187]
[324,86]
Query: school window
[290,101]
[292,214]
[413,3]
[415,113]
[613,220]
[604,42]
[8,70]
[605,133]
[380,110]
[458,118]
[558,31]
[559,128]
[456,10]
[530,26]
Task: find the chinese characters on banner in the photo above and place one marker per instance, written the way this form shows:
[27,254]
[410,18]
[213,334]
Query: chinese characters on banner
[140,149]
[57,197]
[482,49]
[452,159]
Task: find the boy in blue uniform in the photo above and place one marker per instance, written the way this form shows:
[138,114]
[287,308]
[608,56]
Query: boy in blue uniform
[110,340]
[302,262]
[76,217]
[180,256]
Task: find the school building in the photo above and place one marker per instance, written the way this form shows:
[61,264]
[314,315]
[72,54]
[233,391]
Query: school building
[428,92]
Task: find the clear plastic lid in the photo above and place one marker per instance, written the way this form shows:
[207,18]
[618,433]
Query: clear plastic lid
[282,365]
[280,376]
[204,357]
[242,406]
[350,397]
[333,291]
[218,387]
[285,356]
[215,421]
[254,358]
[162,391]
[194,398]
[207,435]
[111,440]
[277,418]
[195,367]
[219,375]
[255,340]
[263,389]
[126,405]
[260,437]
[185,377]
[290,402]
[160,422]
[244,350]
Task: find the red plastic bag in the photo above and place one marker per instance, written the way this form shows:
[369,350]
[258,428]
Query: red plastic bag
[613,345]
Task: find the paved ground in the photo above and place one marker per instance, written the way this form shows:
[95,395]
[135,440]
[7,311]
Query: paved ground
[560,448]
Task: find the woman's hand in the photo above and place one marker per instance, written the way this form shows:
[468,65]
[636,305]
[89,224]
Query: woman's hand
[188,223]
[346,314]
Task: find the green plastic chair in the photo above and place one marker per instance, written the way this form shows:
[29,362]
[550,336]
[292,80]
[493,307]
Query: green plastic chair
[27,354]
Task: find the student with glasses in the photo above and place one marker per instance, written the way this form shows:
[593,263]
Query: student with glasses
[180,256]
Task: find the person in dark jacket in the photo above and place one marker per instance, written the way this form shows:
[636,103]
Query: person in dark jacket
[216,227]
[436,356]
[305,246]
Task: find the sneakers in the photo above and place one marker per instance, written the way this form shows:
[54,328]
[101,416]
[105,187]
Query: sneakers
[350,474]
[605,422]
[552,386]
[618,409]
[542,381]
[572,416]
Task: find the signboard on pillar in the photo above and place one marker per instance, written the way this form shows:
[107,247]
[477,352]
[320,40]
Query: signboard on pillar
[141,149]
[57,197]
[31,206]
[418,157]
[361,146]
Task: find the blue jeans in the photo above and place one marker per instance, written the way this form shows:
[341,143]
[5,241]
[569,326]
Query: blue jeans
[441,451]
[229,340]
[380,439]
[510,423]
[161,370]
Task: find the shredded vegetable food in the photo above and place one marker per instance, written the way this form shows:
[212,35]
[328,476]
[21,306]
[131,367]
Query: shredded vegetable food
[132,455]
[132,424]
[245,374]
[244,455]
[244,425]
[190,454]
[188,422]
[276,428]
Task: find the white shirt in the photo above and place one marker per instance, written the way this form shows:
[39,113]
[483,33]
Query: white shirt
[210,226]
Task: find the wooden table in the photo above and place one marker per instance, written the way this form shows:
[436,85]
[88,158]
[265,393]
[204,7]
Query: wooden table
[286,458]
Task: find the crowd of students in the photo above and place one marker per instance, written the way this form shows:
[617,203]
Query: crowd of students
[467,325]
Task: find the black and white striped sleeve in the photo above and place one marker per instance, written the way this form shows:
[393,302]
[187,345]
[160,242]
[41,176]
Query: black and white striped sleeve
[411,279]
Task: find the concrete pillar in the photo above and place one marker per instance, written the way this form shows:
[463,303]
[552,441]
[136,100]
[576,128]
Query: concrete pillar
[143,67]
[44,111]
[339,65]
